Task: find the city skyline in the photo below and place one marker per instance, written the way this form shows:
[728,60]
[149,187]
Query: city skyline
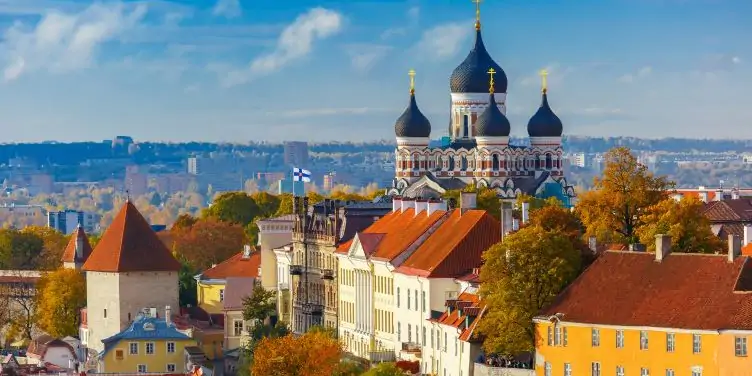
[233,70]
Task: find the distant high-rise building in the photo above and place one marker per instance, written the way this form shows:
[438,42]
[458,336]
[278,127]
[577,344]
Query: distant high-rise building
[296,153]
[41,184]
[67,221]
[330,180]
[136,182]
[577,159]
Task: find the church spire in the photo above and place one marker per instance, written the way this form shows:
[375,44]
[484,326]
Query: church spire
[477,14]
[544,81]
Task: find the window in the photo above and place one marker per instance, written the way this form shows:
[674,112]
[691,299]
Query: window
[141,368]
[670,372]
[170,347]
[399,330]
[564,336]
[557,335]
[105,313]
[547,369]
[237,328]
[696,344]
[596,337]
[670,340]
[619,339]
[595,369]
[398,297]
[445,341]
[644,372]
[424,336]
[643,340]
[408,299]
[119,354]
[416,300]
[150,348]
[221,295]
[423,297]
[550,336]
[409,328]
[696,372]
[170,368]
[619,371]
[740,348]
[133,348]
[432,340]
[567,369]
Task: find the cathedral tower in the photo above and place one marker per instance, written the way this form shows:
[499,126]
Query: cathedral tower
[545,129]
[413,131]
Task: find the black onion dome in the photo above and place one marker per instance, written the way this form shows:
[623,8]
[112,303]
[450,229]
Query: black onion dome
[492,123]
[545,123]
[472,75]
[412,123]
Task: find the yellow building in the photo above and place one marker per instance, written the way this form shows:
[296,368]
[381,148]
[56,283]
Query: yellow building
[149,344]
[637,313]
[211,284]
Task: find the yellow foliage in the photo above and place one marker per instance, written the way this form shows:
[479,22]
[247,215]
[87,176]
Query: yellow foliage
[313,354]
[60,296]
[689,229]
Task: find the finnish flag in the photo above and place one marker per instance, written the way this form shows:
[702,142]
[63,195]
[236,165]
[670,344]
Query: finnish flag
[299,174]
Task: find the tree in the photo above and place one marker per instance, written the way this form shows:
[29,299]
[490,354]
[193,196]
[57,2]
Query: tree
[684,221]
[385,369]
[233,207]
[184,221]
[521,275]
[267,204]
[186,283]
[19,250]
[615,209]
[207,242]
[60,296]
[259,305]
[486,199]
[53,246]
[312,354]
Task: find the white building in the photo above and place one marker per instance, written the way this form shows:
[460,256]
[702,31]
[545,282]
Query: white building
[66,221]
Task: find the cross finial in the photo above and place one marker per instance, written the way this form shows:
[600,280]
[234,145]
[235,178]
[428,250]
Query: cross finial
[491,84]
[477,13]
[544,80]
[411,73]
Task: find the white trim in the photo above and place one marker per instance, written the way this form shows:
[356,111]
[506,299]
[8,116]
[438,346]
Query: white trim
[413,141]
[137,348]
[481,140]
[545,141]
[153,348]
[542,320]
[174,347]
[174,367]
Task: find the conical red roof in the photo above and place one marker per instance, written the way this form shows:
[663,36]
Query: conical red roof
[69,255]
[130,245]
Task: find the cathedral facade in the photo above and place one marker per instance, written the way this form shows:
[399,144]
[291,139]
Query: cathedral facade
[477,151]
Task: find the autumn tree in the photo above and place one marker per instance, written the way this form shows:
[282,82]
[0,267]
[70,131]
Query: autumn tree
[521,275]
[312,354]
[385,369]
[53,246]
[617,206]
[233,207]
[19,250]
[684,221]
[486,199]
[60,296]
[207,242]
[184,221]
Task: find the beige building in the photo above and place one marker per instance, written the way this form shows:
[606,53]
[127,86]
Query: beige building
[273,233]
[129,270]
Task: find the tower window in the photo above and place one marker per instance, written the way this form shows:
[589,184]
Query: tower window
[465,125]
[495,162]
[537,162]
[463,163]
[549,162]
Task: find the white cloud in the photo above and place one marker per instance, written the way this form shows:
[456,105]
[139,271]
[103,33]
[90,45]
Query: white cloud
[364,57]
[227,8]
[632,77]
[62,42]
[295,42]
[443,41]
[556,75]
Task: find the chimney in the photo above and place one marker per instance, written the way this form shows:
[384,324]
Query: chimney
[735,194]
[468,201]
[506,218]
[747,234]
[593,244]
[662,246]
[407,203]
[435,204]
[719,194]
[396,203]
[420,205]
[525,212]
[704,196]
[167,315]
[79,245]
[734,247]
[246,251]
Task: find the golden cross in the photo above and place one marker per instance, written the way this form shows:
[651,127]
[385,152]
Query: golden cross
[411,73]
[477,13]
[491,73]
[544,80]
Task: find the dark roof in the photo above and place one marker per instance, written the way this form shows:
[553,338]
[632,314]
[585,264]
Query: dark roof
[236,266]
[491,122]
[412,122]
[736,210]
[545,123]
[130,245]
[471,76]
[237,289]
[39,346]
[684,291]
[69,255]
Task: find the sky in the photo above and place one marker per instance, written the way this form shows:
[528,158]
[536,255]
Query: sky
[263,70]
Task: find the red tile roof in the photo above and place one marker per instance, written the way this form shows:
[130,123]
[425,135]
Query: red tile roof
[684,291]
[696,193]
[455,248]
[38,346]
[465,319]
[130,245]
[69,255]
[235,266]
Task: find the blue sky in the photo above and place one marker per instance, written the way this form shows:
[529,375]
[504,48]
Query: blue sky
[242,70]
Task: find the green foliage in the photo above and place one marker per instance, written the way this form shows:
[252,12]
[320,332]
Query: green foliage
[385,369]
[19,249]
[186,283]
[486,199]
[233,207]
[184,221]
[260,305]
[522,275]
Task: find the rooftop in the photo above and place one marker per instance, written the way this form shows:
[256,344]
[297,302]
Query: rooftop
[239,265]
[145,327]
[69,255]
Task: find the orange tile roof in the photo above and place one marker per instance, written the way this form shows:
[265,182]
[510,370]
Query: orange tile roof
[400,230]
[130,245]
[456,247]
[69,255]
[235,266]
[460,319]
[684,291]
[747,250]
[696,193]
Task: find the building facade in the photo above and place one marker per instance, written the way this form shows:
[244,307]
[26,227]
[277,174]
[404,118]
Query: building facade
[273,233]
[67,221]
[636,313]
[211,285]
[476,149]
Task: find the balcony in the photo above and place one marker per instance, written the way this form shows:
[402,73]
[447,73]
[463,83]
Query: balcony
[296,269]
[312,309]
[327,274]
[382,356]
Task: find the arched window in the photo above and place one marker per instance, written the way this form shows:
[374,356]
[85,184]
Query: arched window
[415,162]
[463,163]
[495,162]
[536,162]
[465,126]
[451,162]
[549,162]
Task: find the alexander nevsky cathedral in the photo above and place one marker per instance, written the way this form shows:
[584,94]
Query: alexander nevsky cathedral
[477,150]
